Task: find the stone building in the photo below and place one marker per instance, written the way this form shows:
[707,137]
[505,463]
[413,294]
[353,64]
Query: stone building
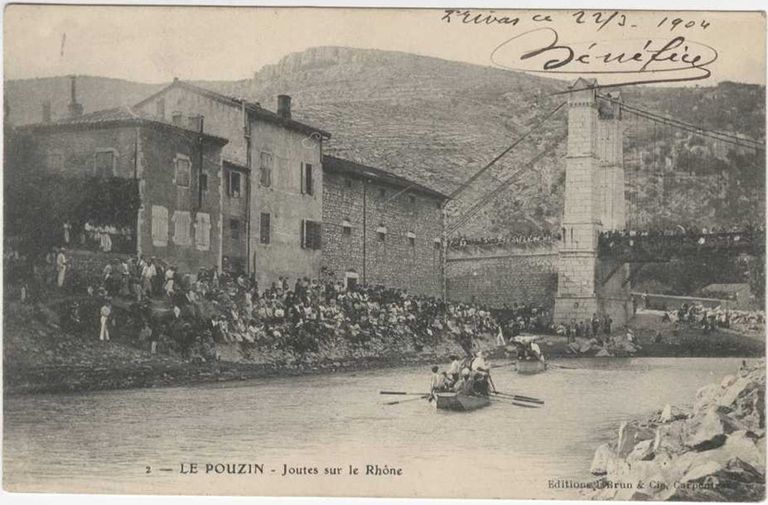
[273,178]
[379,228]
[178,175]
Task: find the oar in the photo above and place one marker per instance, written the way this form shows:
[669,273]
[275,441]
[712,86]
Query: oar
[562,366]
[520,397]
[401,393]
[404,401]
[509,401]
[525,399]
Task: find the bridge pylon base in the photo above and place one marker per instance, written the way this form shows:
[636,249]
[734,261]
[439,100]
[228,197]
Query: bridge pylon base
[575,308]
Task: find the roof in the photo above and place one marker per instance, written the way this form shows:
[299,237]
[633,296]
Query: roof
[726,287]
[119,116]
[340,165]
[254,109]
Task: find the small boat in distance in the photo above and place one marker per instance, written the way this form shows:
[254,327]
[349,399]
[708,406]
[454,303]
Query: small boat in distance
[530,366]
[460,402]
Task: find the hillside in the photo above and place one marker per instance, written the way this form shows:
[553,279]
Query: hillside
[437,122]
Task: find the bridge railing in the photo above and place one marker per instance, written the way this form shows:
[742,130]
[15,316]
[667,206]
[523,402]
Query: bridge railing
[663,246]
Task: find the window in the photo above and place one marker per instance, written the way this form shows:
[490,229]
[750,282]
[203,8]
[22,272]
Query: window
[411,238]
[203,231]
[265,170]
[306,179]
[176,118]
[234,229]
[159,226]
[346,228]
[104,163]
[160,108]
[203,182]
[348,182]
[181,225]
[310,235]
[234,188]
[381,233]
[265,232]
[438,243]
[382,192]
[183,170]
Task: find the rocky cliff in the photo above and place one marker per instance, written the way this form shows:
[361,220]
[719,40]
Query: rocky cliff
[713,452]
[437,122]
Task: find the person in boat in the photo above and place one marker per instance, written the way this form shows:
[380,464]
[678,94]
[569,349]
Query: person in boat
[465,384]
[535,351]
[481,374]
[439,382]
[454,370]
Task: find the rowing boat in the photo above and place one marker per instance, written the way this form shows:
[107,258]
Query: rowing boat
[460,402]
[530,366]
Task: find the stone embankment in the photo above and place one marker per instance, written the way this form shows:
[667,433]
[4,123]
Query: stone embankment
[712,452]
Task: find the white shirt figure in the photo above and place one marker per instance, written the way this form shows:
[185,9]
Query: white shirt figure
[67,229]
[104,331]
[61,268]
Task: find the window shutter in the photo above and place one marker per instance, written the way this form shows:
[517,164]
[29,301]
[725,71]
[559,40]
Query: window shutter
[308,178]
[159,226]
[303,232]
[301,178]
[203,231]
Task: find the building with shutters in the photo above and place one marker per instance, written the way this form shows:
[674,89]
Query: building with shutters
[178,176]
[272,206]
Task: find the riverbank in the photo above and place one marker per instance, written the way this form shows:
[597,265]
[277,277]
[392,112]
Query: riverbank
[39,357]
[714,451]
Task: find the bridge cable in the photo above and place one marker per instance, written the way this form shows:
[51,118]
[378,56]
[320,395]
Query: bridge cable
[491,195]
[477,174]
[717,135]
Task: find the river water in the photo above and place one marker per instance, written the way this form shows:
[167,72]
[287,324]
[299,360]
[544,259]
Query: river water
[119,441]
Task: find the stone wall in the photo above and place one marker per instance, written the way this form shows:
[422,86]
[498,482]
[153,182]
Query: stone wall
[399,260]
[502,276]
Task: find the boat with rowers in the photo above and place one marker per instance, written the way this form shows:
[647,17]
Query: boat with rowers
[460,402]
[530,359]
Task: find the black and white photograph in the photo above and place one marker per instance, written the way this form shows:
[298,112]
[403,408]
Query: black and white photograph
[445,252]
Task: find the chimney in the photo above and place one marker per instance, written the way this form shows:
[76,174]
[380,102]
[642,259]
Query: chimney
[75,109]
[284,106]
[47,111]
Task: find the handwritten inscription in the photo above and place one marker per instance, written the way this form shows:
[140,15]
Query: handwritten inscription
[670,55]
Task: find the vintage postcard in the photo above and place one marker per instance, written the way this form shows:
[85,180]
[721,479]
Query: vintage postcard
[384,252]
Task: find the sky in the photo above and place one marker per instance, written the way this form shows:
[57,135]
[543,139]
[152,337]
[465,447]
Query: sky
[154,44]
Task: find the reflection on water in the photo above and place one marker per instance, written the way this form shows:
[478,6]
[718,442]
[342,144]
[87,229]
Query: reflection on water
[104,442]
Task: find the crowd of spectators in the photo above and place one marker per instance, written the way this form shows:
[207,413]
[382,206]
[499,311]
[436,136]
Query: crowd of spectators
[519,318]
[515,239]
[167,312]
[598,327]
[658,242]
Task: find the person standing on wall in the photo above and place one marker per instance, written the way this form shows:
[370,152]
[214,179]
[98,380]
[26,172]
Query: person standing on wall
[61,268]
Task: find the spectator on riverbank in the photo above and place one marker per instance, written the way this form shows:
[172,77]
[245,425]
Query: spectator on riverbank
[105,312]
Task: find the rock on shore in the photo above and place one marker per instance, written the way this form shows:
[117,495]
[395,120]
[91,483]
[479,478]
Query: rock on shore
[713,452]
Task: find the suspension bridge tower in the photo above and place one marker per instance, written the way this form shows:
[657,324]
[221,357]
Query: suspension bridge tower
[594,202]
